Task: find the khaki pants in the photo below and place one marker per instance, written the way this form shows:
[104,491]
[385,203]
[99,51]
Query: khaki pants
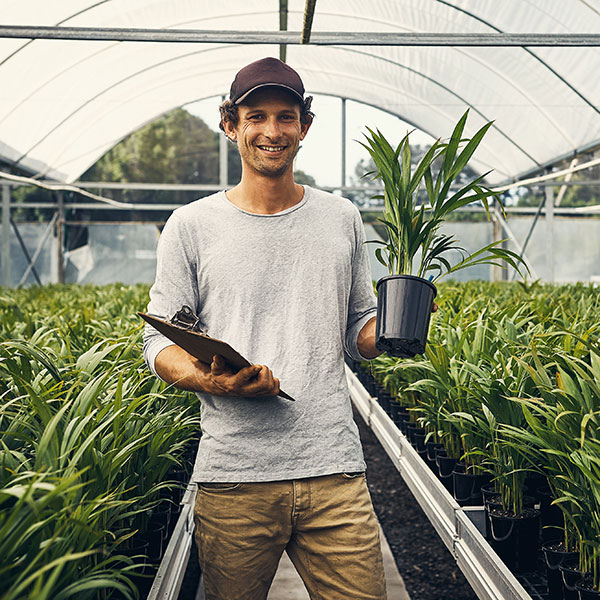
[325,524]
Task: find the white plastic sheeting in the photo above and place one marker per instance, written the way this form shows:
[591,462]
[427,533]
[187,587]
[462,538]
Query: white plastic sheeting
[64,103]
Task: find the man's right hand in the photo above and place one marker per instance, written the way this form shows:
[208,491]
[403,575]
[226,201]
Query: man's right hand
[174,365]
[254,381]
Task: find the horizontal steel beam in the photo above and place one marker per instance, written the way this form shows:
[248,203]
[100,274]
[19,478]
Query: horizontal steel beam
[523,210]
[321,38]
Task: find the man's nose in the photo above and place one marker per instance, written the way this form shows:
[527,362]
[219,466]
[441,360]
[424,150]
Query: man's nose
[272,128]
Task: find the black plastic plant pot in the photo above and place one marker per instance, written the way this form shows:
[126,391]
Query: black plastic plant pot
[571,576]
[554,557]
[384,400]
[395,408]
[586,589]
[552,516]
[404,304]
[430,454]
[445,466]
[403,420]
[467,486]
[515,538]
[419,437]
[489,493]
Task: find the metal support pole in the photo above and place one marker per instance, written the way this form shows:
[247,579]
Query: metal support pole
[549,192]
[60,222]
[283,25]
[6,235]
[21,241]
[223,166]
[38,250]
[343,142]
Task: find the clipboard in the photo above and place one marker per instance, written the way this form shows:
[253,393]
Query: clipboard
[200,345]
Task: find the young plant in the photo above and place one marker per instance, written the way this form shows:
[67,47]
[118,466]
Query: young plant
[413,226]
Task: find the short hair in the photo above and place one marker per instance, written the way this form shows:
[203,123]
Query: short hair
[229,112]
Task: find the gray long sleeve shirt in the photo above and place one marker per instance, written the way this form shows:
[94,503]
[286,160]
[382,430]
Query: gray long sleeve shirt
[290,290]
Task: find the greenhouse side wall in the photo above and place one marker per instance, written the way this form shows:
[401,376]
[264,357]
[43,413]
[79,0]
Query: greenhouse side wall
[126,253]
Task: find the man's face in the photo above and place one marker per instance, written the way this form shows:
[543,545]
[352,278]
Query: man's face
[269,131]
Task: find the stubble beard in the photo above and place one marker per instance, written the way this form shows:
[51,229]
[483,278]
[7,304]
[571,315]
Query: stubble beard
[252,160]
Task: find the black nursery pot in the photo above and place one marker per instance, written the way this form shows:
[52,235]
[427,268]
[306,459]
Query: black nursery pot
[445,466]
[430,453]
[586,590]
[404,304]
[571,576]
[515,538]
[467,487]
[554,557]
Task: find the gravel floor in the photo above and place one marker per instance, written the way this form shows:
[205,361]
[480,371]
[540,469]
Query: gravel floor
[427,567]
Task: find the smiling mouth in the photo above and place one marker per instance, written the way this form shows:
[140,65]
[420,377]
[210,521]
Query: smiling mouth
[272,148]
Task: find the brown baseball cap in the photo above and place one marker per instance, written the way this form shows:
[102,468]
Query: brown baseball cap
[262,73]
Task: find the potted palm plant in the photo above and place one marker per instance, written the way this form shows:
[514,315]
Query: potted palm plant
[416,252]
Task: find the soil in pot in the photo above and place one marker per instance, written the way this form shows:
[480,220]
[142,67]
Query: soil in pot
[554,557]
[515,538]
[404,305]
[586,589]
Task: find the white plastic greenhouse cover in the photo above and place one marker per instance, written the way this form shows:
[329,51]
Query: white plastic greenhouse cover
[64,103]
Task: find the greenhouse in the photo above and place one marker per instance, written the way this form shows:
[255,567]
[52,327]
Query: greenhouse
[390,210]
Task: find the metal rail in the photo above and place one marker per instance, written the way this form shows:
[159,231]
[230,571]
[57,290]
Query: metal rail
[321,38]
[487,574]
[169,577]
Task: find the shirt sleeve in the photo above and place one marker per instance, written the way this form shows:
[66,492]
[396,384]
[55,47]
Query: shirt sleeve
[176,284]
[362,304]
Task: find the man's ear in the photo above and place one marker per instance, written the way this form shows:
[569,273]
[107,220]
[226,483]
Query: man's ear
[304,127]
[230,131]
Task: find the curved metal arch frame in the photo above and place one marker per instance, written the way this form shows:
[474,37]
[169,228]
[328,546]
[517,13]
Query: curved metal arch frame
[453,93]
[128,100]
[80,12]
[528,50]
[444,2]
[221,47]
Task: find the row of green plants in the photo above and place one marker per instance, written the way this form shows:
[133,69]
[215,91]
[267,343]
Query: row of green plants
[87,439]
[510,384]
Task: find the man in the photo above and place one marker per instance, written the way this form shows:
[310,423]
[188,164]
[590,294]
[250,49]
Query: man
[281,272]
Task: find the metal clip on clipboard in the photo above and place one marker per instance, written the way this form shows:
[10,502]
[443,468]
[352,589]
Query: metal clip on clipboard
[184,329]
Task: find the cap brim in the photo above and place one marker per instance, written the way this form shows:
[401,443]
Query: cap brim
[261,85]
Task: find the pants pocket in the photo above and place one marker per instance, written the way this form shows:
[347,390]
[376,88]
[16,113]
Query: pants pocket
[353,475]
[214,486]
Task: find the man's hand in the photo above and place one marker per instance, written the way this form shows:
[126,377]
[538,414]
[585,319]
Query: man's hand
[176,366]
[255,380]
[366,338]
